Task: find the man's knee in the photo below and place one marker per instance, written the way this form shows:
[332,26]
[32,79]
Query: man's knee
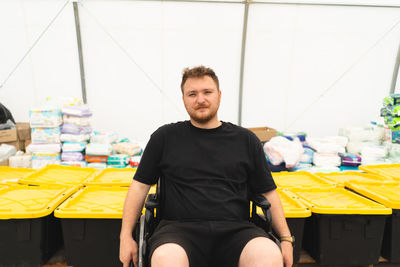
[261,251]
[169,254]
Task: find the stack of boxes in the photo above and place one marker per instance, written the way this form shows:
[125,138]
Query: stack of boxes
[391,114]
[75,133]
[46,146]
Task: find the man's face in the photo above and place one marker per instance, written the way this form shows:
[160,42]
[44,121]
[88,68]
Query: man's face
[201,98]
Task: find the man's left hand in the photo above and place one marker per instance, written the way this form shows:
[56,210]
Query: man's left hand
[287,253]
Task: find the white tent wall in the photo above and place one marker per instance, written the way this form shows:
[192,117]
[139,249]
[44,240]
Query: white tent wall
[52,66]
[135,53]
[311,68]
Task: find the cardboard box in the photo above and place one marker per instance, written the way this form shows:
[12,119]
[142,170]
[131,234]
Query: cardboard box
[27,143]
[264,133]
[23,130]
[8,135]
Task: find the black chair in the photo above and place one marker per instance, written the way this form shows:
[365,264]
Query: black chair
[151,218]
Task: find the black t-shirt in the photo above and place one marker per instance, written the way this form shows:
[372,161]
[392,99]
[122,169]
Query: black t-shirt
[206,174]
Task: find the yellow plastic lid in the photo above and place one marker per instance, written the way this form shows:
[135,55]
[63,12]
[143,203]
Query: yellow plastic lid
[386,194]
[341,177]
[26,201]
[13,175]
[94,202]
[386,170]
[57,174]
[113,176]
[292,207]
[300,179]
[339,201]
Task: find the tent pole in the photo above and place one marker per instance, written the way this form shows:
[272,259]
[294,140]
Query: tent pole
[79,40]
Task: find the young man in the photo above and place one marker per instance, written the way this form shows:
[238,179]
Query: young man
[208,168]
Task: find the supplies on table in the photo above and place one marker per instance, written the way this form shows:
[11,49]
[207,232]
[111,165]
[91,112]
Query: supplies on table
[6,151]
[348,159]
[291,136]
[103,138]
[75,133]
[280,149]
[360,137]
[327,149]
[45,133]
[20,160]
[372,155]
[134,161]
[97,155]
[48,117]
[128,148]
[118,161]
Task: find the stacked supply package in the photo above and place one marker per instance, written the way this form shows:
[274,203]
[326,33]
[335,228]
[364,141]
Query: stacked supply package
[45,134]
[129,153]
[365,141]
[75,133]
[99,148]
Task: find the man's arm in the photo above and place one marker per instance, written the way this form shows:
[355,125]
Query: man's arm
[132,209]
[280,226]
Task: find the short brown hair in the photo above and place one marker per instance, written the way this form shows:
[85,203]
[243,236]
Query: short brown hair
[198,72]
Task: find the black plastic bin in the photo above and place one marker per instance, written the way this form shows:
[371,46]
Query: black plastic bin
[29,233]
[29,242]
[91,225]
[391,238]
[348,240]
[345,229]
[92,242]
[296,226]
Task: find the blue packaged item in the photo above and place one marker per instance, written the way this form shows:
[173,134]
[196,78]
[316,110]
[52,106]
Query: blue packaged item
[396,136]
[42,135]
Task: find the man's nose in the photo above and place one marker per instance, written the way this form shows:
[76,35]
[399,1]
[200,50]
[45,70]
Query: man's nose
[200,98]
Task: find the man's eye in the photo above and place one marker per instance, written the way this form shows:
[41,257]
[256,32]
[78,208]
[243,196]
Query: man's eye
[191,94]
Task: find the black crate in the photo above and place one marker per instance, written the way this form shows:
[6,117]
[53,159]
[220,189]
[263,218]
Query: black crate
[391,238]
[296,226]
[29,242]
[348,240]
[92,242]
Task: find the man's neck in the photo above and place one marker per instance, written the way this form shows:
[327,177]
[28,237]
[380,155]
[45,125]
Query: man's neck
[208,125]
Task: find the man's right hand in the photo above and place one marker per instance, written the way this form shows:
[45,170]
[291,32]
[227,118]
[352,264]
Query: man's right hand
[128,251]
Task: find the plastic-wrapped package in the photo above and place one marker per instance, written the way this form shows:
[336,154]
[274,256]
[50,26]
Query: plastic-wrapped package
[326,159]
[98,149]
[354,147]
[78,111]
[78,121]
[75,138]
[117,166]
[20,161]
[100,166]
[44,148]
[45,135]
[40,160]
[348,159]
[329,144]
[73,129]
[74,163]
[130,149]
[324,169]
[307,156]
[134,161]
[94,159]
[73,146]
[45,117]
[72,156]
[118,159]
[371,133]
[374,155]
[7,151]
[279,149]
[103,138]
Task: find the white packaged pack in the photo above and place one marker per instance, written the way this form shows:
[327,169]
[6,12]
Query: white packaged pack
[44,148]
[7,151]
[46,135]
[45,117]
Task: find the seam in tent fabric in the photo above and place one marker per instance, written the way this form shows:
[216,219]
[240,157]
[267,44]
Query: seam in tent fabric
[357,61]
[33,45]
[131,59]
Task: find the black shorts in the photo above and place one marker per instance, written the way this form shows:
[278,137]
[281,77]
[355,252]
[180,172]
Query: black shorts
[216,243]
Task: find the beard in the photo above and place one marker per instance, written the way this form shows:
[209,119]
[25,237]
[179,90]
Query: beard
[204,118]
